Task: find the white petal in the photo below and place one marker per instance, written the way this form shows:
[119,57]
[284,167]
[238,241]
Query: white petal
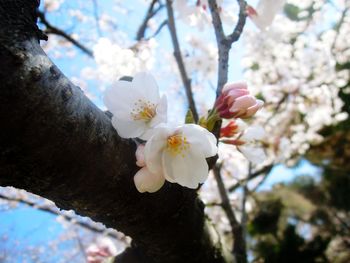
[119,96]
[253,133]
[144,83]
[128,129]
[241,125]
[267,10]
[161,112]
[201,138]
[187,170]
[145,181]
[254,154]
[154,147]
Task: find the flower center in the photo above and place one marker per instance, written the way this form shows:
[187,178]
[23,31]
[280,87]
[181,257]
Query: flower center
[143,110]
[177,144]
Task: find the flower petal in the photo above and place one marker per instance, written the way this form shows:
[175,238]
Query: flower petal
[237,85]
[253,133]
[145,181]
[128,129]
[161,112]
[252,110]
[254,154]
[146,85]
[187,170]
[242,103]
[154,147]
[119,96]
[200,138]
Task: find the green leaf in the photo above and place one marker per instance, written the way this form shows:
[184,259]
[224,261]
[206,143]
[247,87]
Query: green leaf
[292,12]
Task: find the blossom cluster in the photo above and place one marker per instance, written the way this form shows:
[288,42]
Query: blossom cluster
[176,154]
[299,83]
[114,60]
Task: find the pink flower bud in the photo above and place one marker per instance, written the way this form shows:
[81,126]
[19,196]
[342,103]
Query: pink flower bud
[235,102]
[229,130]
[140,157]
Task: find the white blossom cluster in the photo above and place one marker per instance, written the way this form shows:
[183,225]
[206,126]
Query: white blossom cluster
[292,67]
[197,14]
[114,61]
[201,61]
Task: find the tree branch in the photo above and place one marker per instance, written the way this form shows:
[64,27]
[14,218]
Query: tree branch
[263,170]
[178,56]
[224,42]
[151,12]
[54,211]
[239,249]
[50,29]
[95,7]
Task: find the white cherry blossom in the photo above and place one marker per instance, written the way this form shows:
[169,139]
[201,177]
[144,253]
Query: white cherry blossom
[265,12]
[144,180]
[136,106]
[180,154]
[249,148]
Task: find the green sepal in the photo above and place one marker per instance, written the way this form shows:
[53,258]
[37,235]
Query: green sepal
[189,117]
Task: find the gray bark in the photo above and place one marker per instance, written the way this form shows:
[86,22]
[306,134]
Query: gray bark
[56,143]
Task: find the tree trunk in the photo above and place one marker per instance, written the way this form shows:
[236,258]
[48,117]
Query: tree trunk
[56,143]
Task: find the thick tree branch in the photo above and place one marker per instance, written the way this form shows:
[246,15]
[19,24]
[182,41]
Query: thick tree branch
[59,145]
[50,29]
[54,211]
[178,56]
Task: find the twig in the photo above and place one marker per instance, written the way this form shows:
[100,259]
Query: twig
[165,22]
[151,12]
[224,43]
[265,169]
[238,249]
[177,53]
[244,200]
[235,35]
[338,27]
[50,29]
[97,17]
[57,213]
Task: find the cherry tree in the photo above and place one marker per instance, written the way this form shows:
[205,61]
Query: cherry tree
[120,164]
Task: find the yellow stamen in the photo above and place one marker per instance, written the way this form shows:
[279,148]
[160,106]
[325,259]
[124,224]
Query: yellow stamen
[177,144]
[143,110]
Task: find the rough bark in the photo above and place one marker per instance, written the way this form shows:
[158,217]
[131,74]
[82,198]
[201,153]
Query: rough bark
[55,143]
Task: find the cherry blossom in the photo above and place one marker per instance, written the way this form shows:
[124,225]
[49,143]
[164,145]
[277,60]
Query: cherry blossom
[180,153]
[136,106]
[101,250]
[265,12]
[246,139]
[144,180]
[115,60]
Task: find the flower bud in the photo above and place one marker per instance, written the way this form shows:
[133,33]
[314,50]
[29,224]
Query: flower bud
[235,102]
[229,130]
[140,157]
